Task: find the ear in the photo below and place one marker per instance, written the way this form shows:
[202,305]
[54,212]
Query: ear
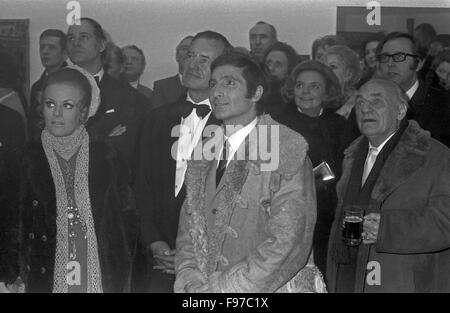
[420,65]
[102,46]
[258,94]
[84,115]
[402,111]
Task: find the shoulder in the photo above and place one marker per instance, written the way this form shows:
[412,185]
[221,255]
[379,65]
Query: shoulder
[8,115]
[166,81]
[292,147]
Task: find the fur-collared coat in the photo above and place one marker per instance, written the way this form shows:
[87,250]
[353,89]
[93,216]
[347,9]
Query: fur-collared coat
[261,235]
[111,209]
[412,195]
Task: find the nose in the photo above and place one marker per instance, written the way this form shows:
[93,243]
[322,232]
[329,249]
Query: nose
[57,110]
[270,68]
[391,61]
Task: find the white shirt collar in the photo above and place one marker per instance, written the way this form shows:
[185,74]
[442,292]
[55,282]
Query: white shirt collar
[383,143]
[236,139]
[134,84]
[100,74]
[411,91]
[206,101]
[300,110]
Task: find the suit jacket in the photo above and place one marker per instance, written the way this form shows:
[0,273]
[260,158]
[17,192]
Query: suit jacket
[147,92]
[430,107]
[158,206]
[120,105]
[412,195]
[167,90]
[35,221]
[254,232]
[12,139]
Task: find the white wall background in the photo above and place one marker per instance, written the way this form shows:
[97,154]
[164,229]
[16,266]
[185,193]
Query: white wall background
[158,25]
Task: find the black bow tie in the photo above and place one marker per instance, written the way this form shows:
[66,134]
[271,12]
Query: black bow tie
[201,109]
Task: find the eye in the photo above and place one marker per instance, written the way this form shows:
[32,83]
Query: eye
[315,86]
[299,85]
[68,105]
[212,83]
[49,104]
[230,82]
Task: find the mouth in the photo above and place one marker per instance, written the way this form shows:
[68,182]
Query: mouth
[58,124]
[368,120]
[195,75]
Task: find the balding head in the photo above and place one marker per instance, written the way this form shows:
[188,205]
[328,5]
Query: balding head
[380,107]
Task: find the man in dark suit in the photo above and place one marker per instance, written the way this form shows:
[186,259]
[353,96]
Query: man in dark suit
[119,117]
[169,90]
[399,61]
[134,67]
[12,140]
[168,139]
[52,49]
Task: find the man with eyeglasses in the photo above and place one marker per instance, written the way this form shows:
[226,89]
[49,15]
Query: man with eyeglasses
[399,60]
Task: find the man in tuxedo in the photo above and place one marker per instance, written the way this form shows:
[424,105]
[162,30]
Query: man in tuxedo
[119,117]
[134,67]
[52,50]
[168,139]
[169,90]
[399,61]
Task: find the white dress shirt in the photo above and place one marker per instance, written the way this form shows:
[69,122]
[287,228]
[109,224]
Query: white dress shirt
[236,139]
[99,74]
[372,156]
[190,133]
[134,84]
[411,91]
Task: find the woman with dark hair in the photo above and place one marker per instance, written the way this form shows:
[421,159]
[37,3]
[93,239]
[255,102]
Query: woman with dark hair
[74,197]
[312,91]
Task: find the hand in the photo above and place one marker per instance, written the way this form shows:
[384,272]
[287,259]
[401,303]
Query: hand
[370,228]
[3,288]
[118,130]
[166,261]
[164,257]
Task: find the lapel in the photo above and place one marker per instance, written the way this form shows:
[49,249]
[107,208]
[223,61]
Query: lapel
[347,166]
[418,99]
[405,160]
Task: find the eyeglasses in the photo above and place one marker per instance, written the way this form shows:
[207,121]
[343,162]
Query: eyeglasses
[397,57]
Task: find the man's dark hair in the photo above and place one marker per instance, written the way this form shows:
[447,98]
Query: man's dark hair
[328,40]
[98,30]
[272,28]
[55,33]
[397,35]
[252,73]
[137,49]
[212,35]
[289,51]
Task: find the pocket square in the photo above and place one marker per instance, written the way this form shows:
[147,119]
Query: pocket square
[110,111]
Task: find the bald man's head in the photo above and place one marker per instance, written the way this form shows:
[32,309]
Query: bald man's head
[380,107]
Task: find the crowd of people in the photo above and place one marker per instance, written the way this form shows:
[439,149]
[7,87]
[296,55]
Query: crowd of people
[100,190]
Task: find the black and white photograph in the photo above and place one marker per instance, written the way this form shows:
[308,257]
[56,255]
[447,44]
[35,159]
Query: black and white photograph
[248,147]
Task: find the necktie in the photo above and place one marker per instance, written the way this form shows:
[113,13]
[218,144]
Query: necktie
[370,161]
[222,163]
[97,79]
[201,109]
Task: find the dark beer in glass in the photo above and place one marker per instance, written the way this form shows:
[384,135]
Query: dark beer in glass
[352,226]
